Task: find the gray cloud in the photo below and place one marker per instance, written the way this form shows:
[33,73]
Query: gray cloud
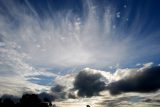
[72,95]
[59,91]
[89,83]
[1,39]
[87,40]
[143,81]
[46,97]
[57,88]
[151,100]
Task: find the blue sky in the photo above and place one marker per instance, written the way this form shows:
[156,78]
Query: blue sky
[132,23]
[45,41]
[135,22]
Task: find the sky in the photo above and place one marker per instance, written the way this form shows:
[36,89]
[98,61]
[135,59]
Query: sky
[50,43]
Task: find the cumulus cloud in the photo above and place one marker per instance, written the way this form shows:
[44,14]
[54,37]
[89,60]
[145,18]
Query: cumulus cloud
[145,80]
[72,85]
[60,40]
[89,83]
[59,91]
[70,40]
[124,73]
[62,92]
[57,88]
[151,100]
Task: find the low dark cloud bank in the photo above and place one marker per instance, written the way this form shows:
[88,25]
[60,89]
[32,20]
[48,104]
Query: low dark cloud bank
[144,81]
[58,88]
[46,97]
[151,100]
[88,83]
[58,92]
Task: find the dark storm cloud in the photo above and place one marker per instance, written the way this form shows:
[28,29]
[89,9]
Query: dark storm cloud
[88,83]
[144,81]
[46,97]
[57,88]
[71,95]
[59,92]
[151,100]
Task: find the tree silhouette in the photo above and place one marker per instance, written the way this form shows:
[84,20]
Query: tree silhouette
[27,100]
[87,105]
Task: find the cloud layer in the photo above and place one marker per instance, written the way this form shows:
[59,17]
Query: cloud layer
[89,83]
[144,81]
[99,38]
[90,39]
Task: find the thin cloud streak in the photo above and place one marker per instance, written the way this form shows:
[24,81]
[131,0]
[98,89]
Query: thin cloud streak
[70,41]
[29,42]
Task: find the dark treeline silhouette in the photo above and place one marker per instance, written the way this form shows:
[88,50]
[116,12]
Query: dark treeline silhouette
[27,100]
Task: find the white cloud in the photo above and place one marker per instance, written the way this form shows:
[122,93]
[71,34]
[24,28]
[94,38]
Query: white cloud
[124,73]
[15,73]
[149,64]
[16,85]
[146,65]
[128,72]
[35,42]
[66,80]
[138,64]
[107,75]
[66,43]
